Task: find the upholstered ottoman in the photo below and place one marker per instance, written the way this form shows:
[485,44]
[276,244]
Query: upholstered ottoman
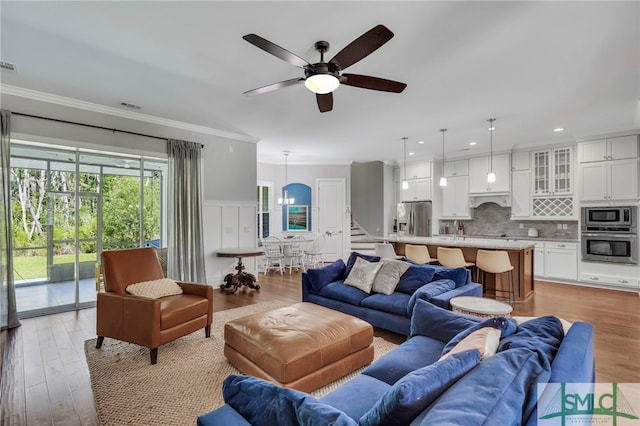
[304,346]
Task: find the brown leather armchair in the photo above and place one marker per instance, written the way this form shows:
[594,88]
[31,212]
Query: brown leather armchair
[144,321]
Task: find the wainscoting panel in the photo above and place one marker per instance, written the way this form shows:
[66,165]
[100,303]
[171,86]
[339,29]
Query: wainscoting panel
[228,224]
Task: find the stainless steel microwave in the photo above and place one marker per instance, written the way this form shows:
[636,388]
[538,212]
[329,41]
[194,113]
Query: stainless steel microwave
[609,219]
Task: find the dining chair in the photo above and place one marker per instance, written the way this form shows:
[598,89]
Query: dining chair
[294,252]
[418,254]
[385,250]
[313,254]
[452,258]
[273,254]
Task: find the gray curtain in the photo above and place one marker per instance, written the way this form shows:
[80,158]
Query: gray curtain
[186,248]
[8,311]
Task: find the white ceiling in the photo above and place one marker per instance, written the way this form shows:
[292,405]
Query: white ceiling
[532,65]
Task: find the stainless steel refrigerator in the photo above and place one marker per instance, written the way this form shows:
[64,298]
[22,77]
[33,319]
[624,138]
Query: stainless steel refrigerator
[414,218]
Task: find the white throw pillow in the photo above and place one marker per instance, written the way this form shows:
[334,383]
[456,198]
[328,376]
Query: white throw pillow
[486,340]
[155,289]
[362,274]
[389,275]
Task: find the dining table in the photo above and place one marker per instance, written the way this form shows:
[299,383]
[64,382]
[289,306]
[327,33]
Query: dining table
[232,282]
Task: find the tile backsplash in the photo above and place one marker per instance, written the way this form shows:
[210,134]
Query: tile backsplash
[492,220]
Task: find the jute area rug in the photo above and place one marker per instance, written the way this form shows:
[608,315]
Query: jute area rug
[185,383]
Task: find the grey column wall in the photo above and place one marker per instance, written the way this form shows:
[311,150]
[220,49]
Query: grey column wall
[367,196]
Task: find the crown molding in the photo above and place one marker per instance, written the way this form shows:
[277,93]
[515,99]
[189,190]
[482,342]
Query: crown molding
[102,109]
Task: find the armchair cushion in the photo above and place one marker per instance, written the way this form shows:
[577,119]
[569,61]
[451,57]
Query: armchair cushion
[155,289]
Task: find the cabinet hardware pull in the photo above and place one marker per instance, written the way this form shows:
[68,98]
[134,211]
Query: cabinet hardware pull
[623,281]
[561,245]
[594,278]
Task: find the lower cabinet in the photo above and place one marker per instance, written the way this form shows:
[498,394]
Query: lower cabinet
[610,275]
[561,260]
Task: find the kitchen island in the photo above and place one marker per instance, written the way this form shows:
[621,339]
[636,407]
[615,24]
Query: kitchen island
[520,255]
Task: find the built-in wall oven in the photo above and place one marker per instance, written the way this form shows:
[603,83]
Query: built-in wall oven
[609,234]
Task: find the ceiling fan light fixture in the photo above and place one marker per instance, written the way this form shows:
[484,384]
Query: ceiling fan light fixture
[322,84]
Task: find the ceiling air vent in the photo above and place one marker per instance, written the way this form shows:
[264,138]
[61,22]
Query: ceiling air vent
[7,66]
[128,105]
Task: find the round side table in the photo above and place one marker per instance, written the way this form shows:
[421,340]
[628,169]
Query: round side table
[480,307]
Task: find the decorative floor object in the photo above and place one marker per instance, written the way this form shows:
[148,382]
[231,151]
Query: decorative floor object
[185,383]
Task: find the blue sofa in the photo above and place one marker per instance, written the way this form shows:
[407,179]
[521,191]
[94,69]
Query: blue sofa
[436,284]
[409,386]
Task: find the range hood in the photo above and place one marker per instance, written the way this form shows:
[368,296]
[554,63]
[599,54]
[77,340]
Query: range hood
[503,199]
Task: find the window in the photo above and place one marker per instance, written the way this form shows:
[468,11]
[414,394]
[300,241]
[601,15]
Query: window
[264,210]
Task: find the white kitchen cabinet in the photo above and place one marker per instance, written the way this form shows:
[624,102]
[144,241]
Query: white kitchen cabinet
[553,172]
[418,170]
[561,260]
[609,149]
[418,190]
[609,180]
[538,260]
[520,160]
[520,194]
[456,168]
[455,202]
[610,275]
[479,168]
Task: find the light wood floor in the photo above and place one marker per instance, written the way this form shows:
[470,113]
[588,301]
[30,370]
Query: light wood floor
[46,381]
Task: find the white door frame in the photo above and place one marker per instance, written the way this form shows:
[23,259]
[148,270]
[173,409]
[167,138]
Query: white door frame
[346,218]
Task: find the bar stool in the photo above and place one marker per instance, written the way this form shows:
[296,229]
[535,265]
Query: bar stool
[418,254]
[452,258]
[496,262]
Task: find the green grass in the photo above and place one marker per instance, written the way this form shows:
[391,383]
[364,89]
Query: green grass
[31,267]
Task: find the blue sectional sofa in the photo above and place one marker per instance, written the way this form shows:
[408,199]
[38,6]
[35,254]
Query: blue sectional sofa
[436,284]
[410,386]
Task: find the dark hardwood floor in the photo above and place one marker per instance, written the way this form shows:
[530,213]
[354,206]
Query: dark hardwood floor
[45,379]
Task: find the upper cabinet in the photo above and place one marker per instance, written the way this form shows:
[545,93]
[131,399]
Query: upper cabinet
[418,170]
[619,148]
[552,172]
[552,186]
[520,160]
[479,168]
[418,190]
[456,168]
[609,169]
[455,202]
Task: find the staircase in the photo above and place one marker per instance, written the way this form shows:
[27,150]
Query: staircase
[361,241]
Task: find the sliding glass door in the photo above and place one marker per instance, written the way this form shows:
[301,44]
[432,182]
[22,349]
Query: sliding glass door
[68,206]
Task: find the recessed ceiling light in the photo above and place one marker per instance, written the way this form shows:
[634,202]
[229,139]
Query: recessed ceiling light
[420,142]
[411,153]
[472,143]
[558,129]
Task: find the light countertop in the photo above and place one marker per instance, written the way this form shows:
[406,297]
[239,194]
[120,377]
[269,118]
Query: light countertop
[461,241]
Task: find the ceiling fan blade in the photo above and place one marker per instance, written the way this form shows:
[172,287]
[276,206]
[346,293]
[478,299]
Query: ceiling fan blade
[373,83]
[274,86]
[362,46]
[325,102]
[276,50]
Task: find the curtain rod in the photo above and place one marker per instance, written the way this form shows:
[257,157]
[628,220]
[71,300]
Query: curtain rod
[91,125]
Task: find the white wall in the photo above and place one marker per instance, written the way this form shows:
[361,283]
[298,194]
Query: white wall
[306,174]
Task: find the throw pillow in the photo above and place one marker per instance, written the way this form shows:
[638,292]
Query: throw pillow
[440,324]
[485,340]
[155,289]
[410,395]
[387,278]
[362,274]
[319,277]
[506,327]
[352,260]
[414,278]
[262,402]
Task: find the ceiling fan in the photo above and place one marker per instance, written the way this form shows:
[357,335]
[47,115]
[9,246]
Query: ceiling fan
[323,78]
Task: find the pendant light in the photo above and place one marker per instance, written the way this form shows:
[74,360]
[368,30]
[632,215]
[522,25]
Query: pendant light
[443,178]
[286,200]
[405,183]
[491,176]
